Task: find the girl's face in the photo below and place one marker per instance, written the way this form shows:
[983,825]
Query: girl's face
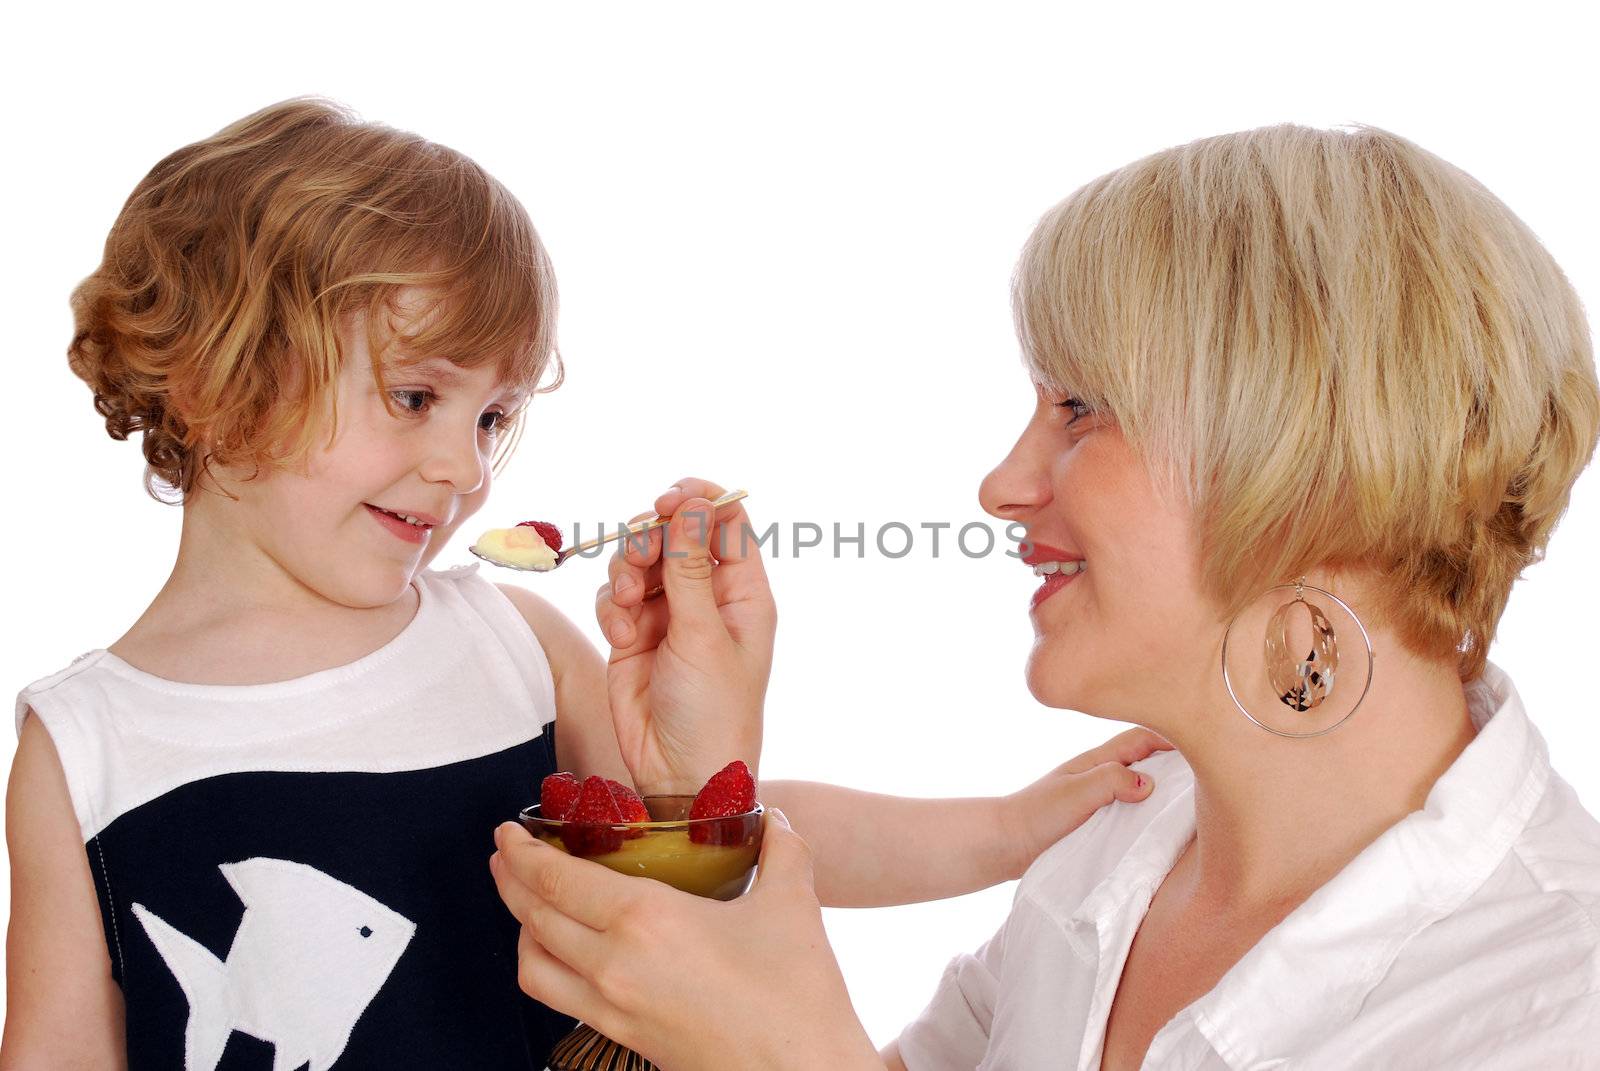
[1129,636]
[336,526]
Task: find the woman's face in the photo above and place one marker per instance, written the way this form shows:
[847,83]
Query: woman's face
[1129,636]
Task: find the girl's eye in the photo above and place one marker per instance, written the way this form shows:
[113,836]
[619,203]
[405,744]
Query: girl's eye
[413,401]
[418,400]
[1079,409]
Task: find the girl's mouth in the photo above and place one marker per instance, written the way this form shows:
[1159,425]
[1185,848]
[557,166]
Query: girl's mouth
[399,526]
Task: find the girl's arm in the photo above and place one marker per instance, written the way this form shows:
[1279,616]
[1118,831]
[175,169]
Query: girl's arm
[586,742]
[871,850]
[63,1009]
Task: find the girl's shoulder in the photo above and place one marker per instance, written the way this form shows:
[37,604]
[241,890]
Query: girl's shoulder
[77,689]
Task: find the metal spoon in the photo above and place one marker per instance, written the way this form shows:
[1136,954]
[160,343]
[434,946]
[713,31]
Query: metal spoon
[637,528]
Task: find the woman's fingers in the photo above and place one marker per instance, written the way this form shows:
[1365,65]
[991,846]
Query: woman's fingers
[631,564]
[734,538]
[581,890]
[668,501]
[1125,747]
[630,629]
[548,980]
[687,566]
[785,856]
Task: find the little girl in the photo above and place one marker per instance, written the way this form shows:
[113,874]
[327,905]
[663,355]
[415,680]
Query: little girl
[253,831]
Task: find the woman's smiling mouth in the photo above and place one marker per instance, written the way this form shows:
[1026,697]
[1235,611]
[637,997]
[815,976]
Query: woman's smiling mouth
[1058,568]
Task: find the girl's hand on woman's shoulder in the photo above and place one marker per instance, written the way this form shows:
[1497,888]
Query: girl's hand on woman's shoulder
[688,670]
[1065,798]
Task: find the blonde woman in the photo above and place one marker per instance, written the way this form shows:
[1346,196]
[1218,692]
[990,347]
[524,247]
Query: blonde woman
[1306,404]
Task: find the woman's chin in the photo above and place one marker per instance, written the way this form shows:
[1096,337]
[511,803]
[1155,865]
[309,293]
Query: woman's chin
[1054,681]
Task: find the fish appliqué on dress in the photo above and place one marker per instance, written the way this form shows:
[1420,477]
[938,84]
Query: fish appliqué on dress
[309,955]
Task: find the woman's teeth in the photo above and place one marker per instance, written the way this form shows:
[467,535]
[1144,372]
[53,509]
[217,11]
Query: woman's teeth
[1067,568]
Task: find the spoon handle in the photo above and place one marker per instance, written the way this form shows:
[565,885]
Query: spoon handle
[640,527]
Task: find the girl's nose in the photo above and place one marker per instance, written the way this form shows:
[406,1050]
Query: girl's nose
[1019,485]
[456,460]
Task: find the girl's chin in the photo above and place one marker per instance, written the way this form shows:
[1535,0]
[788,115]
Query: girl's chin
[376,589]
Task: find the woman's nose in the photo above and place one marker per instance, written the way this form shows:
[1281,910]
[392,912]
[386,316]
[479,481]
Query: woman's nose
[1017,486]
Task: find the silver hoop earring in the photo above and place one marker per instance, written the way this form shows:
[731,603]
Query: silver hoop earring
[1301,683]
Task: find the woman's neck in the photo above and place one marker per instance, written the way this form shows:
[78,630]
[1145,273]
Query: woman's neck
[1277,818]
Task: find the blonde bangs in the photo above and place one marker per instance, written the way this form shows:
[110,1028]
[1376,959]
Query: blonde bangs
[1339,350]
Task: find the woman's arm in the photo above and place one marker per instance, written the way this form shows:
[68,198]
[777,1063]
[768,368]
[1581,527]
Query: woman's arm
[872,850]
[63,1008]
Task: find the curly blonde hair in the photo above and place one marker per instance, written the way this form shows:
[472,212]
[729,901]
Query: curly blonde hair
[211,324]
[1340,351]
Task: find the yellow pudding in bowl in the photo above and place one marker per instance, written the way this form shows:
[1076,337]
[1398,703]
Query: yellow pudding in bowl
[711,857]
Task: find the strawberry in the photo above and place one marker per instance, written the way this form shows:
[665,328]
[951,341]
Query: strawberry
[631,806]
[731,791]
[587,829]
[547,532]
[558,794]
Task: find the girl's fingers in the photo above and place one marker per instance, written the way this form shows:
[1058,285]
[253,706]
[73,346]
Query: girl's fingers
[1112,780]
[1125,747]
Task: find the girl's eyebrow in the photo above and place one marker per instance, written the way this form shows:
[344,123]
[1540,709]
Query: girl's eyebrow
[452,377]
[440,368]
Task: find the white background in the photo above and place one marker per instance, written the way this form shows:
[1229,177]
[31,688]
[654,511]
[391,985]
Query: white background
[783,238]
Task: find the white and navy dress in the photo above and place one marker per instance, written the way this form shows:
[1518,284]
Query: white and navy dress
[296,874]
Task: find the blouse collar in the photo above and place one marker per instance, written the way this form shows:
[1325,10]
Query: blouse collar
[1310,973]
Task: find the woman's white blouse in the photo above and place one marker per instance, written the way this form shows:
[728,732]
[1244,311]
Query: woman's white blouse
[1466,936]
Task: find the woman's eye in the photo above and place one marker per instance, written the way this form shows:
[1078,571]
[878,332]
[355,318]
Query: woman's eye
[492,422]
[1078,408]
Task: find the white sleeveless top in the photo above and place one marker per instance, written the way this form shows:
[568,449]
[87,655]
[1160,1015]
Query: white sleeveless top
[300,868]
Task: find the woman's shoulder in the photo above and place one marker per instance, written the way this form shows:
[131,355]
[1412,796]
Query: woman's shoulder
[1558,852]
[1160,824]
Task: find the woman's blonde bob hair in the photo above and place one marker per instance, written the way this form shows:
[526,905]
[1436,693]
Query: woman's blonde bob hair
[211,324]
[1340,351]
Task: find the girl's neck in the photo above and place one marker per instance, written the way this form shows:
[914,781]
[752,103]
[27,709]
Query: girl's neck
[1277,818]
[228,614]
